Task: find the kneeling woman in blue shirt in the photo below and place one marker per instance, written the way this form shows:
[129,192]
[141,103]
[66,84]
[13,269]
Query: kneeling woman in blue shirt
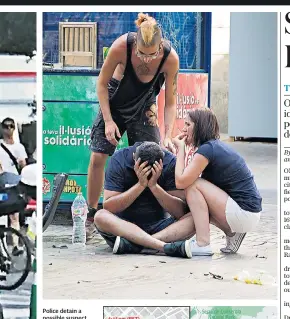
[220,188]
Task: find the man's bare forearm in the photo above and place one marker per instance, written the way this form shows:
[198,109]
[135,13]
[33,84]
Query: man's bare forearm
[103,96]
[169,118]
[173,205]
[120,202]
[179,168]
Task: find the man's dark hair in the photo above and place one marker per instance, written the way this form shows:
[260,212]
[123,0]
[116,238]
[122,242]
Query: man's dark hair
[149,151]
[7,119]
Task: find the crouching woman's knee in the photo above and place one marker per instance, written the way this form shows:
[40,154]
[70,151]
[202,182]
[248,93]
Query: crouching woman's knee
[193,187]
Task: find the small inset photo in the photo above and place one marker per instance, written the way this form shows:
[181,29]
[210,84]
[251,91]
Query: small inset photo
[146,312]
[18,165]
[230,312]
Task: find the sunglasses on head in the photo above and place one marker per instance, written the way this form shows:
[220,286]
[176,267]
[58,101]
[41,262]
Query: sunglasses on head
[7,126]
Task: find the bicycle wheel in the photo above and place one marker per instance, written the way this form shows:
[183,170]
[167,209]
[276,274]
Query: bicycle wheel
[50,209]
[14,267]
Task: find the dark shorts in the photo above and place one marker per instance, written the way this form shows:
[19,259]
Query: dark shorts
[136,132]
[142,127]
[149,229]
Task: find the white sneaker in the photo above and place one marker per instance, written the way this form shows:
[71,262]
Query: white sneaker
[233,243]
[200,250]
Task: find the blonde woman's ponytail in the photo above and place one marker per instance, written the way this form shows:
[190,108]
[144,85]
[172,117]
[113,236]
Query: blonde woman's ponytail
[148,29]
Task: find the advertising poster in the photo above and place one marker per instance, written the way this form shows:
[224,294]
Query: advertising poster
[192,92]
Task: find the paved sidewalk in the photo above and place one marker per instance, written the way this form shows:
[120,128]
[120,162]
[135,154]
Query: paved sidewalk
[16,303]
[95,273]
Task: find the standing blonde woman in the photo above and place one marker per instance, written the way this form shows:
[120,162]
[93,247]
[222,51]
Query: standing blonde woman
[137,65]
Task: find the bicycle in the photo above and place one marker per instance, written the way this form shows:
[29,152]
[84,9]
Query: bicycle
[14,269]
[14,265]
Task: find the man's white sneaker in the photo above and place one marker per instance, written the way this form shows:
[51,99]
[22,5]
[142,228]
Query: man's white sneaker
[233,243]
[200,250]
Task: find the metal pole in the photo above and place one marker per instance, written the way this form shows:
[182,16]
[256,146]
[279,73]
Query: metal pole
[33,297]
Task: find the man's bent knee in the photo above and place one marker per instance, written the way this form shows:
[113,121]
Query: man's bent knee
[101,219]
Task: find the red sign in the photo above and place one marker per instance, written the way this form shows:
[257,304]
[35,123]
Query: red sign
[192,92]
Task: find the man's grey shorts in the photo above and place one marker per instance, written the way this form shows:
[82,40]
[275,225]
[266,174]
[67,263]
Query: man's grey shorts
[149,229]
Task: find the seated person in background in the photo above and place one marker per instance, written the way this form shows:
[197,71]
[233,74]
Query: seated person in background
[226,194]
[139,191]
[12,156]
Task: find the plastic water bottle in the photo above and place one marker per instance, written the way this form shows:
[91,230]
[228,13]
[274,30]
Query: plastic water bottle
[79,211]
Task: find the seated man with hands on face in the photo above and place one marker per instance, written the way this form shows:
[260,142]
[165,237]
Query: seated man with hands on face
[139,193]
